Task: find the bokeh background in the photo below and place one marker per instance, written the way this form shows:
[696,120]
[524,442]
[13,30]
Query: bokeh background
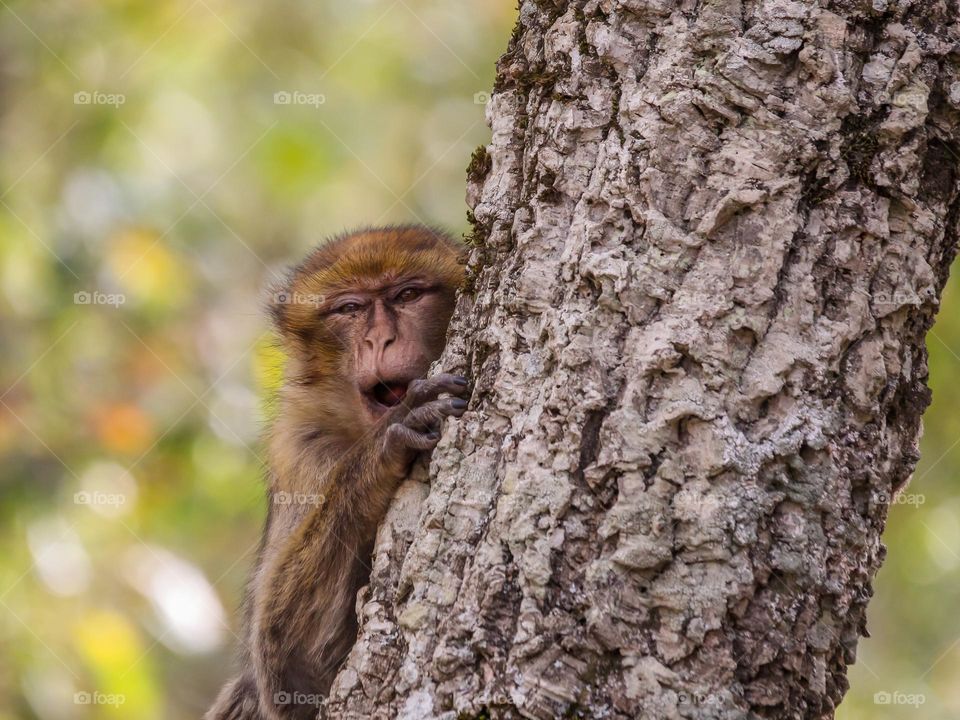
[161,163]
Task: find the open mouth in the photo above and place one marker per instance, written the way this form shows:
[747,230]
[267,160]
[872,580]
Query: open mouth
[387,394]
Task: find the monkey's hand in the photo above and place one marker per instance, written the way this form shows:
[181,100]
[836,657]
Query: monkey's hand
[414,425]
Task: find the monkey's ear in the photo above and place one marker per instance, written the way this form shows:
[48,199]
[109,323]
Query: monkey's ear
[277,304]
[291,322]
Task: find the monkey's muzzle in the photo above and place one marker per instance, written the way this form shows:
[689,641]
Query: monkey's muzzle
[388,394]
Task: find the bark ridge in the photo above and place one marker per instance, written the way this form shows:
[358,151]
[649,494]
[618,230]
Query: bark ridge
[709,237]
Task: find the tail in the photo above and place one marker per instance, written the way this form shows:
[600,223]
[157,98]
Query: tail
[237,701]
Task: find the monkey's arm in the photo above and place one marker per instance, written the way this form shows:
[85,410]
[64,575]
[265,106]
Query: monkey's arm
[303,622]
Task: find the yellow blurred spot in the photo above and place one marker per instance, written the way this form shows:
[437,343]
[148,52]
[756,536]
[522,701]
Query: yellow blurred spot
[25,275]
[145,268]
[108,640]
[119,666]
[268,363]
[123,428]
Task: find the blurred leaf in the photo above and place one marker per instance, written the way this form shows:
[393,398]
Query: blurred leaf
[123,428]
[122,671]
[146,270]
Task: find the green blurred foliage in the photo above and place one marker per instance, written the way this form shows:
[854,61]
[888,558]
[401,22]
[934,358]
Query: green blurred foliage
[153,186]
[163,162]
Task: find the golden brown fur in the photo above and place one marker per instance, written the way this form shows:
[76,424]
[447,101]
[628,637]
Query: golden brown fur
[360,320]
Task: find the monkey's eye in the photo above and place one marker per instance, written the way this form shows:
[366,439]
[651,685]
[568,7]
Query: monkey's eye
[409,295]
[347,308]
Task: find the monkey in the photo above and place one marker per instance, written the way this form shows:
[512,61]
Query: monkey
[360,321]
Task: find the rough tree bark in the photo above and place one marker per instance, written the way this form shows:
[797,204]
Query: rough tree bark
[709,238]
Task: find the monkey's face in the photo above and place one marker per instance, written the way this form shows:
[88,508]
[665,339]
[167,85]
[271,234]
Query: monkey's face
[387,333]
[365,314]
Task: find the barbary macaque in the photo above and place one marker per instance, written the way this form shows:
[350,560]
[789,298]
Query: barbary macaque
[360,320]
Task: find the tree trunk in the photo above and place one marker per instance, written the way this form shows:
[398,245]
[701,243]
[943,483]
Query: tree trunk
[709,238]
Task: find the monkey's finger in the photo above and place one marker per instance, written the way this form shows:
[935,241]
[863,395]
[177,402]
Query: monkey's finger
[409,438]
[431,414]
[424,390]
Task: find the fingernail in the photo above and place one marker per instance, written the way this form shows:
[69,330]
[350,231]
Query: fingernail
[458,404]
[460,380]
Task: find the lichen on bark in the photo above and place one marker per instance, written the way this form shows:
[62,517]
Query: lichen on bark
[714,235]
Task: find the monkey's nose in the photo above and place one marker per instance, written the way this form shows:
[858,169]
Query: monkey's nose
[379,341]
